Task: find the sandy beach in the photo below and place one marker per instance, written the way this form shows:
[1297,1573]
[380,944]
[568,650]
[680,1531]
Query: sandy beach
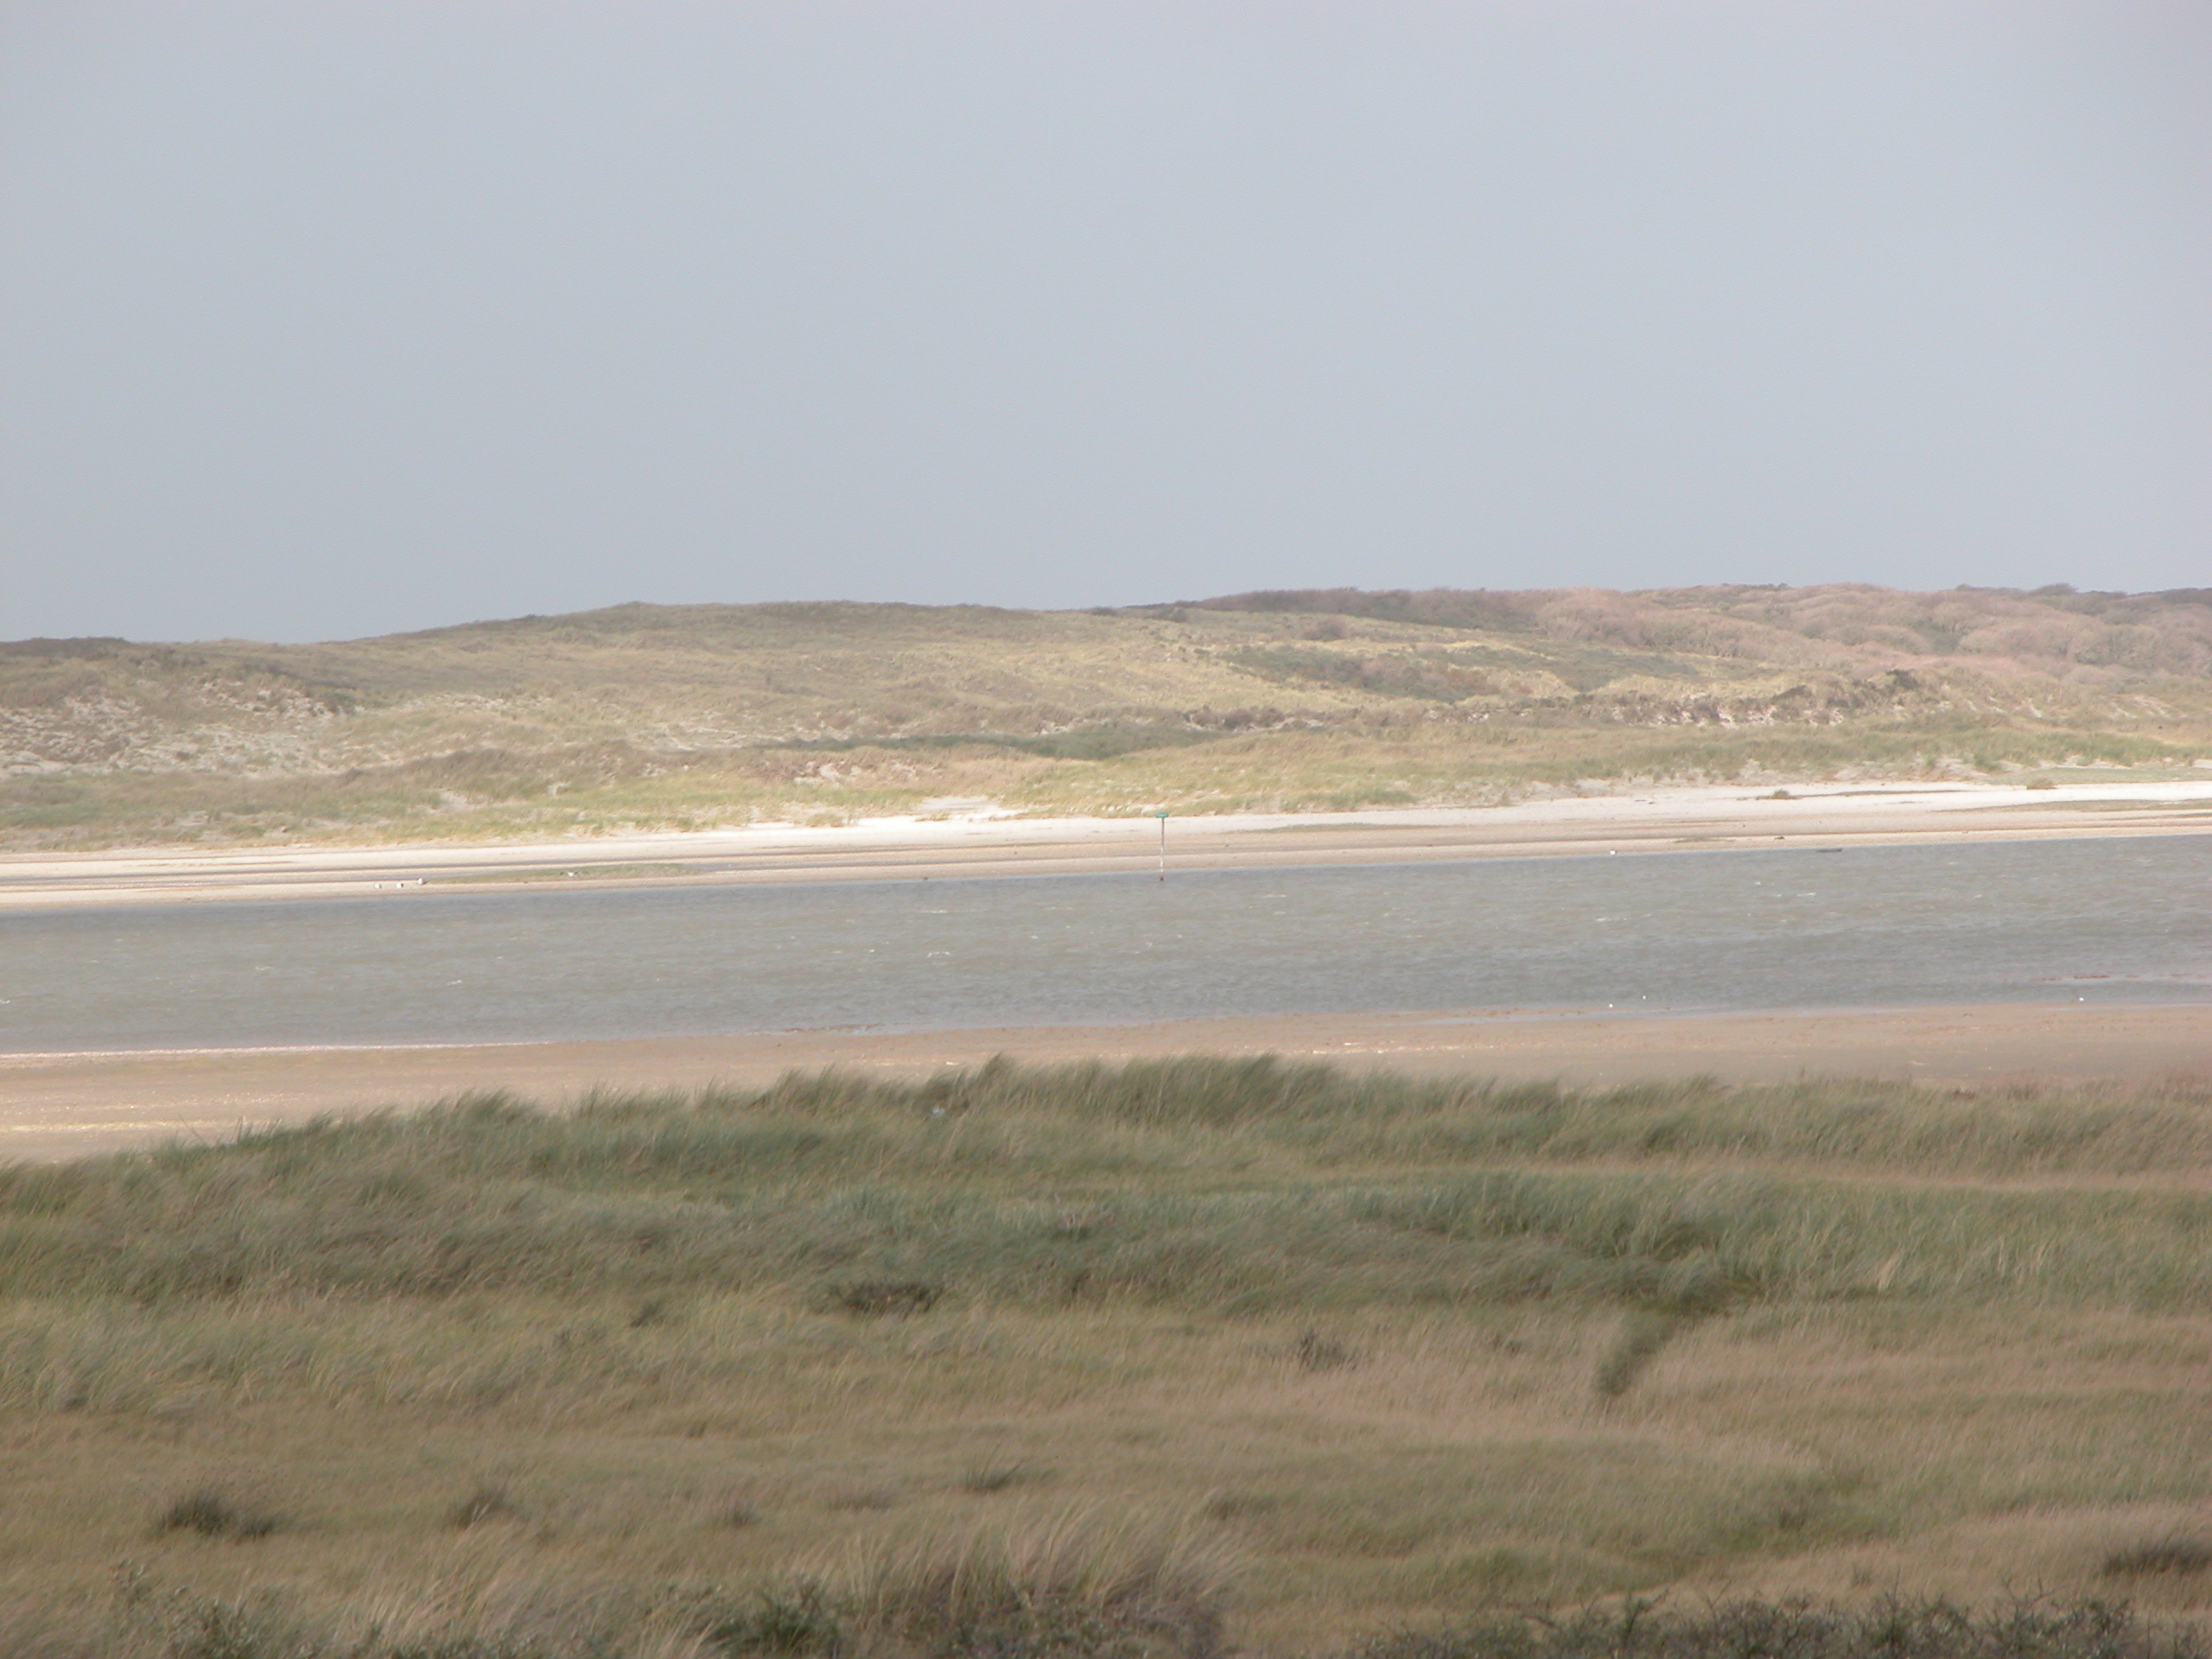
[59,1106]
[977,843]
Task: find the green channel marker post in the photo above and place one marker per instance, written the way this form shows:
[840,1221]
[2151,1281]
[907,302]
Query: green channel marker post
[1162,817]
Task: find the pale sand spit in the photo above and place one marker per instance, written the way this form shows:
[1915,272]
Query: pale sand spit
[62,1106]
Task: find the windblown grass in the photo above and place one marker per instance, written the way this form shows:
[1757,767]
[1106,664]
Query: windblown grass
[1401,1349]
[1214,1186]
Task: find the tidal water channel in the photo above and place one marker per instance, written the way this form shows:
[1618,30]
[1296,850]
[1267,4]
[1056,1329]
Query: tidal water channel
[2102,920]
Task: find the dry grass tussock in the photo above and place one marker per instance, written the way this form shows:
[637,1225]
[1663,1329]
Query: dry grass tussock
[1147,1359]
[687,716]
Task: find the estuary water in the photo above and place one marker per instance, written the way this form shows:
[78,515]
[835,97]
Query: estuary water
[2103,920]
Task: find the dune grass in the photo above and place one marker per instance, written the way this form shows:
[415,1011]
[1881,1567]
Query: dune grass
[676,717]
[1295,1356]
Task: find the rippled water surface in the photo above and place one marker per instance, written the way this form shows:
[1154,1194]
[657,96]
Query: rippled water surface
[2108,920]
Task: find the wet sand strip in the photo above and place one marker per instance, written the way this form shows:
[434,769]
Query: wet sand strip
[72,1105]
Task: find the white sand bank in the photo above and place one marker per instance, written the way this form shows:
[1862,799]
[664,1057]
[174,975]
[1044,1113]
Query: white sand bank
[988,844]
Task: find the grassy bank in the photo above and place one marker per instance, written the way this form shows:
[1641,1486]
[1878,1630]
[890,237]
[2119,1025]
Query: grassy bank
[1294,1357]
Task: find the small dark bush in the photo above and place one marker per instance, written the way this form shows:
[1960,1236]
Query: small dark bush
[988,1477]
[877,1297]
[485,1503]
[802,1623]
[221,1630]
[212,1514]
[2178,1556]
[1642,1336]
[1238,1506]
[1315,1352]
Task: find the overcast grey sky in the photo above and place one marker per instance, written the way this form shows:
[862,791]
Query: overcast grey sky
[335,318]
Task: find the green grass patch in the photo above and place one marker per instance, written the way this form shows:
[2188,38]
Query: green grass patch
[1223,1352]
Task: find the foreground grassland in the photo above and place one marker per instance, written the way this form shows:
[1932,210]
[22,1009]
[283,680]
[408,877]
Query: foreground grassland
[1143,1361]
[646,717]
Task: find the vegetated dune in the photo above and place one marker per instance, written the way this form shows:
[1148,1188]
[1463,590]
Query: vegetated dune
[2055,633]
[1157,1361]
[651,716]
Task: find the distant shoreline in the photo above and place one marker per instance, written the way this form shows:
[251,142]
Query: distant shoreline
[1712,817]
